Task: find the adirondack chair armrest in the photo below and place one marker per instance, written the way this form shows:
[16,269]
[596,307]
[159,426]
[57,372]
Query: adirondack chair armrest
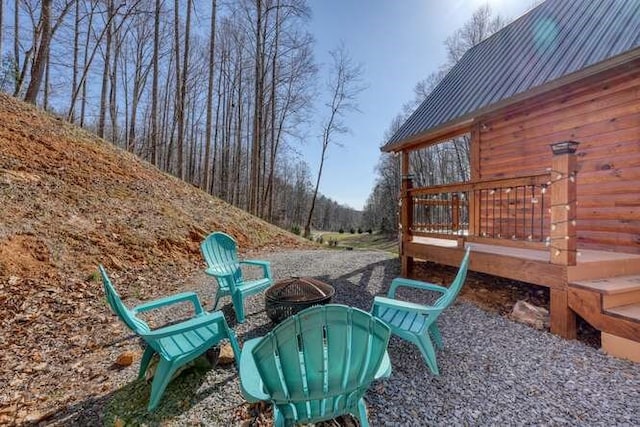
[170,300]
[188,325]
[250,381]
[216,272]
[416,284]
[403,305]
[266,266]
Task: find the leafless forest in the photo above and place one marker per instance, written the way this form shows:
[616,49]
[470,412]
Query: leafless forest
[216,93]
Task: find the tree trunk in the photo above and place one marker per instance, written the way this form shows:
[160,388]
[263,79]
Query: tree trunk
[207,152]
[76,55]
[40,61]
[256,142]
[238,151]
[16,45]
[85,67]
[1,27]
[268,199]
[113,90]
[105,73]
[141,73]
[212,188]
[154,89]
[307,227]
[47,70]
[183,92]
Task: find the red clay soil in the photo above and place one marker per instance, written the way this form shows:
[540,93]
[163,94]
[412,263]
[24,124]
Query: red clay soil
[70,201]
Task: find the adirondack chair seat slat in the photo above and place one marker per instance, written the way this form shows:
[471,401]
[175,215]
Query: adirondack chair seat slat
[417,323]
[412,322]
[175,344]
[219,251]
[317,364]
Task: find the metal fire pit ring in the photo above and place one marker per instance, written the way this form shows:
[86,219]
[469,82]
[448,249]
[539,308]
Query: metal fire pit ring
[289,296]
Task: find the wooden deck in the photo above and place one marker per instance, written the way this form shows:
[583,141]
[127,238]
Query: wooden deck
[585,256]
[603,287]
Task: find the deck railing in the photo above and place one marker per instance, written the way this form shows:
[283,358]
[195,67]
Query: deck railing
[442,213]
[535,210]
[513,208]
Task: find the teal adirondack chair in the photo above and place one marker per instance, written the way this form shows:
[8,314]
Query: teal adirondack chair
[416,323]
[220,253]
[177,344]
[316,365]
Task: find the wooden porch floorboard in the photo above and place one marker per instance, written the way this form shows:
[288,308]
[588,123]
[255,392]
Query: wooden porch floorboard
[585,256]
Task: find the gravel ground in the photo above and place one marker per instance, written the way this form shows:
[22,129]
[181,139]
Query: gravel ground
[493,371]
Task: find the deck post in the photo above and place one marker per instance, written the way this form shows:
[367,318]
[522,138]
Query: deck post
[562,236]
[562,239]
[406,215]
[473,195]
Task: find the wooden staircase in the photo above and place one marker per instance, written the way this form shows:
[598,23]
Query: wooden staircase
[611,305]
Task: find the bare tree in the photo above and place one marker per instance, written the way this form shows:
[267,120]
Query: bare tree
[88,57]
[182,96]
[16,48]
[481,25]
[41,43]
[37,69]
[1,27]
[344,87]
[141,37]
[105,72]
[76,56]
[258,106]
[154,89]
[238,136]
[212,50]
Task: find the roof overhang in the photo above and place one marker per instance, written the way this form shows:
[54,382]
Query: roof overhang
[462,124]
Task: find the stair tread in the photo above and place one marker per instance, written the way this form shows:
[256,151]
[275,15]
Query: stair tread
[630,310]
[611,285]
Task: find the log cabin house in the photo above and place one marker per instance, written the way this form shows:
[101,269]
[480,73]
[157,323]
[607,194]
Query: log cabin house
[551,104]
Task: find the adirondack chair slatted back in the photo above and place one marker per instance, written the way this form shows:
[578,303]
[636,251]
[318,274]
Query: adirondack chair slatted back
[118,307]
[321,362]
[220,251]
[446,299]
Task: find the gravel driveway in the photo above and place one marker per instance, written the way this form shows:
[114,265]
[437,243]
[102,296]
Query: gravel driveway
[493,371]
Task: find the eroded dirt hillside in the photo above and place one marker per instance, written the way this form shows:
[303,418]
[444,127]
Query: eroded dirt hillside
[69,201]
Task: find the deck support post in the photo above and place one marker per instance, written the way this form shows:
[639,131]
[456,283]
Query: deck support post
[474,195]
[562,239]
[563,319]
[406,216]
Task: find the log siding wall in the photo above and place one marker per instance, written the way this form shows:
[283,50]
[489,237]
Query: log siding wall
[603,114]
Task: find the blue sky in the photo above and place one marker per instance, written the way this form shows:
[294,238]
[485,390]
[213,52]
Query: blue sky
[398,43]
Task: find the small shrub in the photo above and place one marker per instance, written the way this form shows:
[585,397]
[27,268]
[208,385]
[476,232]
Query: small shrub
[320,240]
[352,230]
[341,231]
[295,229]
[370,231]
[359,230]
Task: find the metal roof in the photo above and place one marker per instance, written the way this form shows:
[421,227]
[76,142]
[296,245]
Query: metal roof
[557,38]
